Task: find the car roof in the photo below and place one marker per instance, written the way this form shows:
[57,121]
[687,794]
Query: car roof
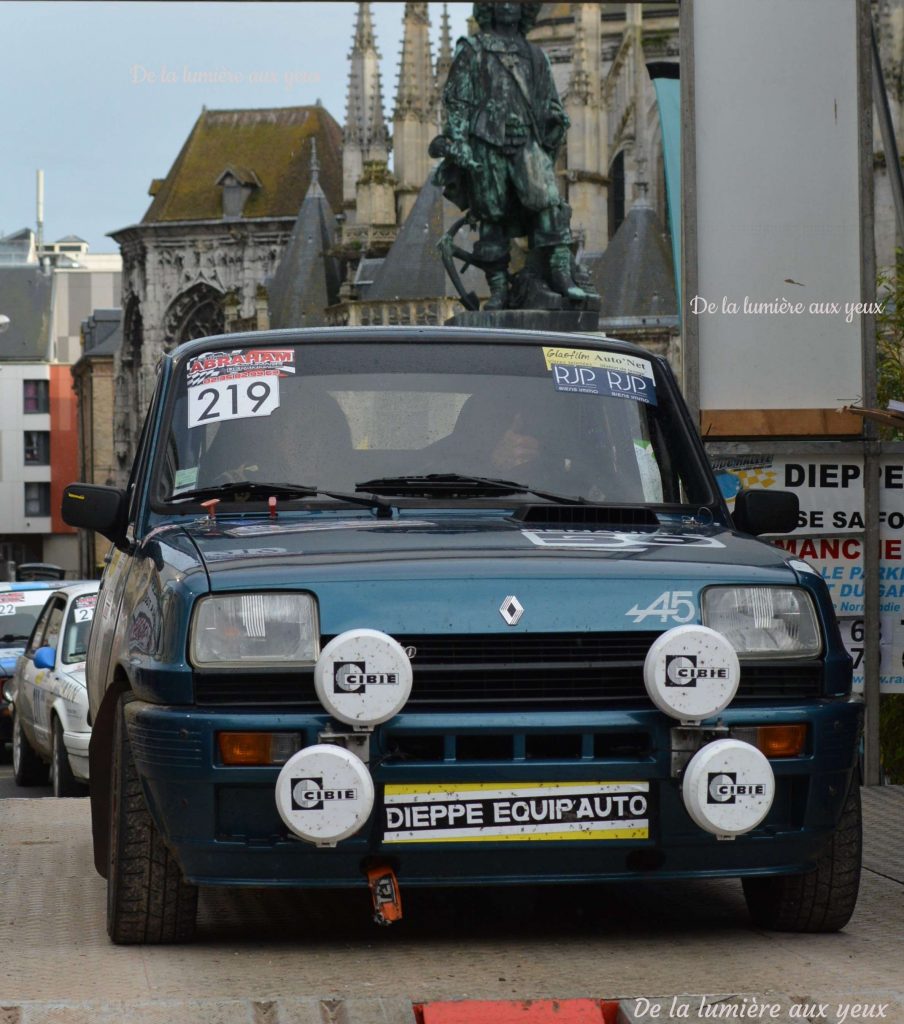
[6,587]
[81,587]
[437,335]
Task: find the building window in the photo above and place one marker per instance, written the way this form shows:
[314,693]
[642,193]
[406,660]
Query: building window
[35,396]
[37,499]
[37,448]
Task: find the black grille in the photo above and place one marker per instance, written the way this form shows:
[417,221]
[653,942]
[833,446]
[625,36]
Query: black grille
[511,670]
[596,515]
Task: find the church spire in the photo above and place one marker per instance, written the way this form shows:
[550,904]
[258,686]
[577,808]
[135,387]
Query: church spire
[314,189]
[579,86]
[444,57]
[415,117]
[366,137]
[416,89]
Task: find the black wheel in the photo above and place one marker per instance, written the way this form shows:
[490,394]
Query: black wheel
[823,899]
[28,768]
[148,900]
[61,778]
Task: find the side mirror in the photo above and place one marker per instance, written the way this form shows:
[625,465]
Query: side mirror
[45,657]
[93,507]
[759,512]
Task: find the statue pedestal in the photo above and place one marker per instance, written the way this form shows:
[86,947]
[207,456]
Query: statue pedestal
[584,321]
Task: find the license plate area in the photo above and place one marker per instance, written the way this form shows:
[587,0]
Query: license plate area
[516,812]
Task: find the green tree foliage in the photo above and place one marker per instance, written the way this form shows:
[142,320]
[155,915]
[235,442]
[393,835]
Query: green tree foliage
[890,335]
[889,385]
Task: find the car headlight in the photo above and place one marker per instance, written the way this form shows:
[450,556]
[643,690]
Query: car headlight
[254,631]
[764,622]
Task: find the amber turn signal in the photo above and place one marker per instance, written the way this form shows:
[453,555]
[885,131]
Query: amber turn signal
[257,748]
[782,740]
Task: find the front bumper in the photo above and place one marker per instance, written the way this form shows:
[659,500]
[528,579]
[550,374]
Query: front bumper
[223,826]
[76,744]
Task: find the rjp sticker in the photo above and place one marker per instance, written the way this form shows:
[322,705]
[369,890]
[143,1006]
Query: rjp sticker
[587,380]
[590,372]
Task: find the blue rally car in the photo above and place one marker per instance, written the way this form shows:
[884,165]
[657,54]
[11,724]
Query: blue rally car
[436,606]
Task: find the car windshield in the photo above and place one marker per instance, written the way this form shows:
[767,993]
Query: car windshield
[78,628]
[17,619]
[587,423]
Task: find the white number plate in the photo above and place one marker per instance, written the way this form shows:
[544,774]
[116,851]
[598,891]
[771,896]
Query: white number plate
[232,400]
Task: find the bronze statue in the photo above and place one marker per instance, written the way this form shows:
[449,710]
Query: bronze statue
[504,124]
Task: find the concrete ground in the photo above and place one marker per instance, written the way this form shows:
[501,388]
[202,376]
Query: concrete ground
[274,957]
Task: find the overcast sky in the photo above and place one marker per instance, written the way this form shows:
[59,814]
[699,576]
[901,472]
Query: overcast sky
[79,99]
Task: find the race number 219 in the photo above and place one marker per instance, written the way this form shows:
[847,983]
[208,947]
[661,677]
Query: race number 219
[232,400]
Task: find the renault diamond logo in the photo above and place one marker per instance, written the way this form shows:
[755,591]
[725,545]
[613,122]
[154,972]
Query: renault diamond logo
[511,610]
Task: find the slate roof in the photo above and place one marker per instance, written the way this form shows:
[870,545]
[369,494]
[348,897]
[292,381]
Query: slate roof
[307,279]
[273,145]
[635,275]
[26,297]
[103,332]
[413,268]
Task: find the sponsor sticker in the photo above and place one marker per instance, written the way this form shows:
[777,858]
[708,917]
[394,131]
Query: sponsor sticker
[516,812]
[240,384]
[83,608]
[239,364]
[615,540]
[587,372]
[9,601]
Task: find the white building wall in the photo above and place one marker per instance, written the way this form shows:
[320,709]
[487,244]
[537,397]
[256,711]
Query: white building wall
[14,474]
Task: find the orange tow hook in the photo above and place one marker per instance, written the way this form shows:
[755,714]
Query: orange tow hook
[384,890]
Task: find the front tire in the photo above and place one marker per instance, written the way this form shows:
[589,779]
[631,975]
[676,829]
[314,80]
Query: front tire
[822,900]
[148,899]
[62,778]
[28,768]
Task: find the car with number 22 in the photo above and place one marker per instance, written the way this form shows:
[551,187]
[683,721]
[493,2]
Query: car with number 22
[394,607]
[50,702]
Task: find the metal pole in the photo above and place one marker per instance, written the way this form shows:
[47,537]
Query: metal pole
[690,356]
[887,128]
[871,446]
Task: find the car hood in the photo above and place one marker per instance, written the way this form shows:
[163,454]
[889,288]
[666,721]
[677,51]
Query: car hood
[446,572]
[74,673]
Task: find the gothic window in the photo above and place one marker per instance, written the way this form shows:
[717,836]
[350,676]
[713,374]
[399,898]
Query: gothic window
[196,313]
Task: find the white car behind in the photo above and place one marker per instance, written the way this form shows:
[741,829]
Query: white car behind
[50,703]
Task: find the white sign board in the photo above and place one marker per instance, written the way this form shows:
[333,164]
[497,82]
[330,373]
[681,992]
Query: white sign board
[830,537]
[777,204]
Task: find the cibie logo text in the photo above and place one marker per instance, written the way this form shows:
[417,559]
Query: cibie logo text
[308,794]
[683,670]
[724,788]
[353,677]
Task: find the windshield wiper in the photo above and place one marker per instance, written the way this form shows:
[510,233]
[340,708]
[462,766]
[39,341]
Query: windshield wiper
[9,638]
[459,485]
[258,489]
